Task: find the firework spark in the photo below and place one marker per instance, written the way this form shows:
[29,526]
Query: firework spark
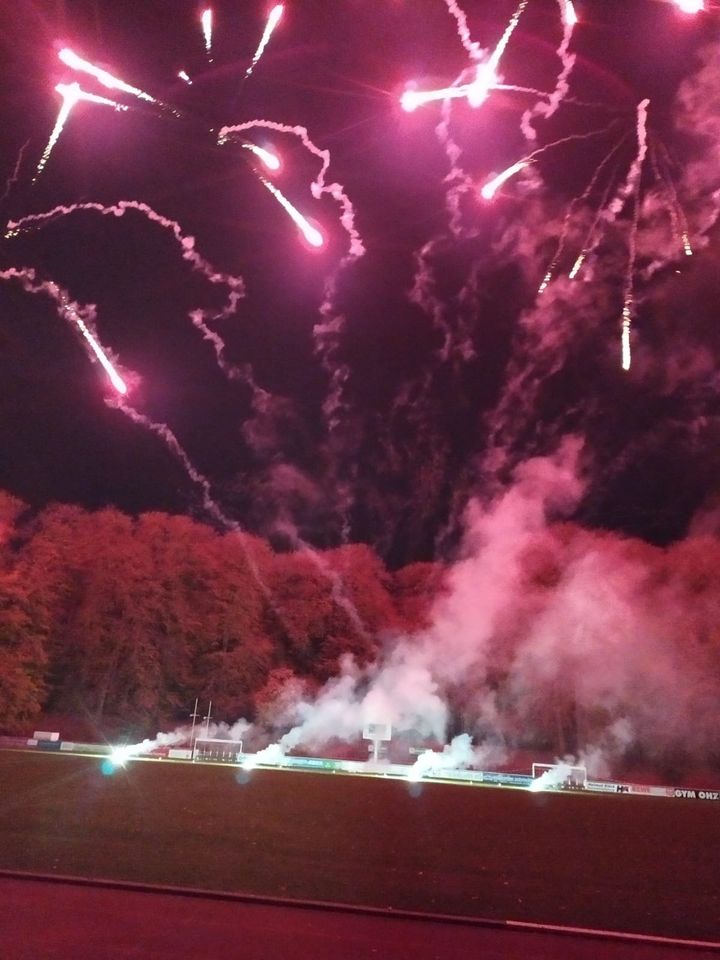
[311,233]
[319,187]
[72,60]
[79,317]
[183,76]
[71,95]
[267,157]
[584,196]
[273,20]
[207,28]
[488,190]
[690,6]
[632,188]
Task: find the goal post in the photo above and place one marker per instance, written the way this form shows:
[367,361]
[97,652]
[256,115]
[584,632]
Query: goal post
[563,776]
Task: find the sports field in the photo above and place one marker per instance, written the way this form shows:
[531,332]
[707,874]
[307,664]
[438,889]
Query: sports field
[626,863]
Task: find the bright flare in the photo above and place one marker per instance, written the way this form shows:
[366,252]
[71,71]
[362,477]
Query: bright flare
[207,25]
[72,60]
[119,756]
[690,6]
[479,90]
[571,17]
[489,190]
[273,20]
[271,160]
[184,76]
[412,99]
[313,236]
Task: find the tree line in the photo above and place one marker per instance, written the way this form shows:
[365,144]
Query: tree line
[106,616]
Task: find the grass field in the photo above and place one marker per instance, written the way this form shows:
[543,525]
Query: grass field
[625,863]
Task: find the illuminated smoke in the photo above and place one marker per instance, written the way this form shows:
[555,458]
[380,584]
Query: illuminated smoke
[549,105]
[463,30]
[273,20]
[81,318]
[200,318]
[72,60]
[163,431]
[553,777]
[14,176]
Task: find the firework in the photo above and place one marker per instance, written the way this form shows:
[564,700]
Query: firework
[570,16]
[584,196]
[632,188]
[489,190]
[71,94]
[78,317]
[319,187]
[690,6]
[267,157]
[311,234]
[207,28]
[72,60]
[273,20]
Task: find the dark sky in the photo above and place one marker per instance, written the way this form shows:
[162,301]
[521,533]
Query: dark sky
[374,414]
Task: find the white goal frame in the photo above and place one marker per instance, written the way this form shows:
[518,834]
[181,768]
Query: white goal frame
[575,778]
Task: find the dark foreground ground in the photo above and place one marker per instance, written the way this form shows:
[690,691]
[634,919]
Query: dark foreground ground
[613,862]
[67,922]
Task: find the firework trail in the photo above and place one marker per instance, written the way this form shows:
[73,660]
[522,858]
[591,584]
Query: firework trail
[272,21]
[489,189]
[328,332]
[183,76]
[200,318]
[206,21]
[72,60]
[546,108]
[631,188]
[82,318]
[14,176]
[680,226]
[163,431]
[584,196]
[485,77]
[474,50]
[266,157]
[592,238]
[318,187]
[311,234]
[490,74]
[71,95]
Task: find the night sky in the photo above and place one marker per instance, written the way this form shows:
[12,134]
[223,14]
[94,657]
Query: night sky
[362,410]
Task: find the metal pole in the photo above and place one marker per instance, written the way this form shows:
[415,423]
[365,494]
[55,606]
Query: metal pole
[207,719]
[194,716]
